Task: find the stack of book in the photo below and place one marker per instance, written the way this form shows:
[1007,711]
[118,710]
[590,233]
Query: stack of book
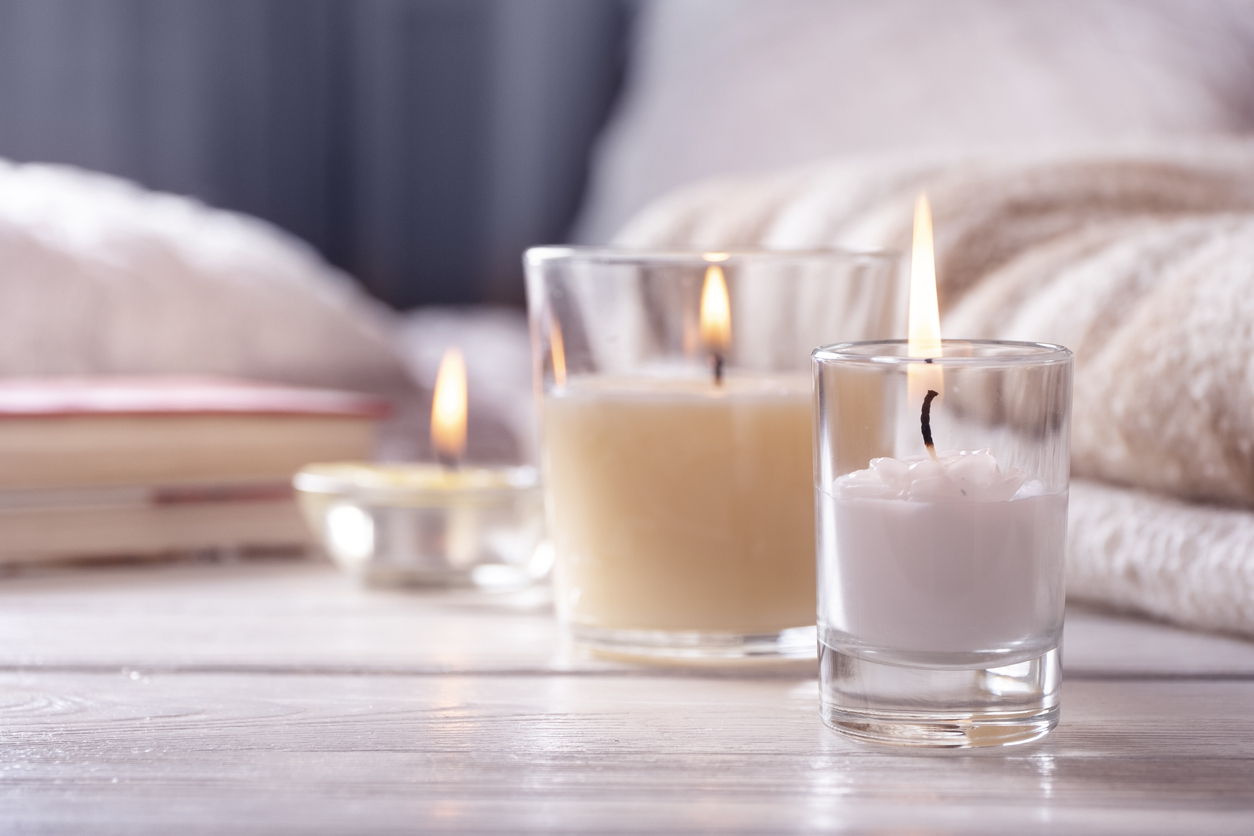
[93,467]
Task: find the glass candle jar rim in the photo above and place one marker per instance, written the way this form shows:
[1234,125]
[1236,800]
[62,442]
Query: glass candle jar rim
[416,480]
[709,255]
[984,353]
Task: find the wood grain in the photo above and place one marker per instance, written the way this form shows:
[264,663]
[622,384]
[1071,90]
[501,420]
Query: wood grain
[215,753]
[304,615]
[280,698]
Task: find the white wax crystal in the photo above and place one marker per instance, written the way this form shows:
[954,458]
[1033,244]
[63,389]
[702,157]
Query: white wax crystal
[965,475]
[892,472]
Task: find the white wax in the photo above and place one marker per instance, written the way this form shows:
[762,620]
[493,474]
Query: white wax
[953,557]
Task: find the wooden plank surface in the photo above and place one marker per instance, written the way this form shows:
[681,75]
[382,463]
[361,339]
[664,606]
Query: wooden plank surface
[305,615]
[276,697]
[194,753]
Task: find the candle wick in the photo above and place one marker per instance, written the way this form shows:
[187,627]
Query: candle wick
[926,420]
[447,462]
[717,361]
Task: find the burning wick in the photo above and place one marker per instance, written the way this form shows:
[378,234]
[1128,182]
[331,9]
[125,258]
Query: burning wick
[924,324]
[926,421]
[716,319]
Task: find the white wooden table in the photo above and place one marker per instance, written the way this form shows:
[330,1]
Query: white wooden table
[276,697]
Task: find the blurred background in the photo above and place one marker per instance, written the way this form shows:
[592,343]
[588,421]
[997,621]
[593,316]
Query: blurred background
[412,149]
[420,145]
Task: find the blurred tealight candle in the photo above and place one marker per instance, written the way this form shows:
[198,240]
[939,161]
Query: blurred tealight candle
[437,524]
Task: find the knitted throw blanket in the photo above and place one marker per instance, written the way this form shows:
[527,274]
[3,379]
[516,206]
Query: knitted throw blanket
[1141,260]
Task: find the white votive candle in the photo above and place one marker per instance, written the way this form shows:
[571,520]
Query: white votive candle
[941,575]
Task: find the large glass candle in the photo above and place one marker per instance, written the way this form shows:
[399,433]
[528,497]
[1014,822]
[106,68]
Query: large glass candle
[676,439]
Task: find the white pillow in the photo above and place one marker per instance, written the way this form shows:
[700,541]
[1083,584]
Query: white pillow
[100,276]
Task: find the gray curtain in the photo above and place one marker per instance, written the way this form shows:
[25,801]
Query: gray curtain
[419,144]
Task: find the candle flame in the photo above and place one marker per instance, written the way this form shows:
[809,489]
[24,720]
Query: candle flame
[715,311]
[558,350]
[448,407]
[924,326]
[924,330]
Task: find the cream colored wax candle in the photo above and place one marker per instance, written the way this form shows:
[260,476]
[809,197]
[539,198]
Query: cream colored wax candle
[679,504]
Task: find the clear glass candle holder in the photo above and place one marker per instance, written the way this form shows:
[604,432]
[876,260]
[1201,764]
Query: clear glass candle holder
[677,452]
[940,582]
[425,525]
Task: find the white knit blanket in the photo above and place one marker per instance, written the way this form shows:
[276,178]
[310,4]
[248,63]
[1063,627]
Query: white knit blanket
[1140,259]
